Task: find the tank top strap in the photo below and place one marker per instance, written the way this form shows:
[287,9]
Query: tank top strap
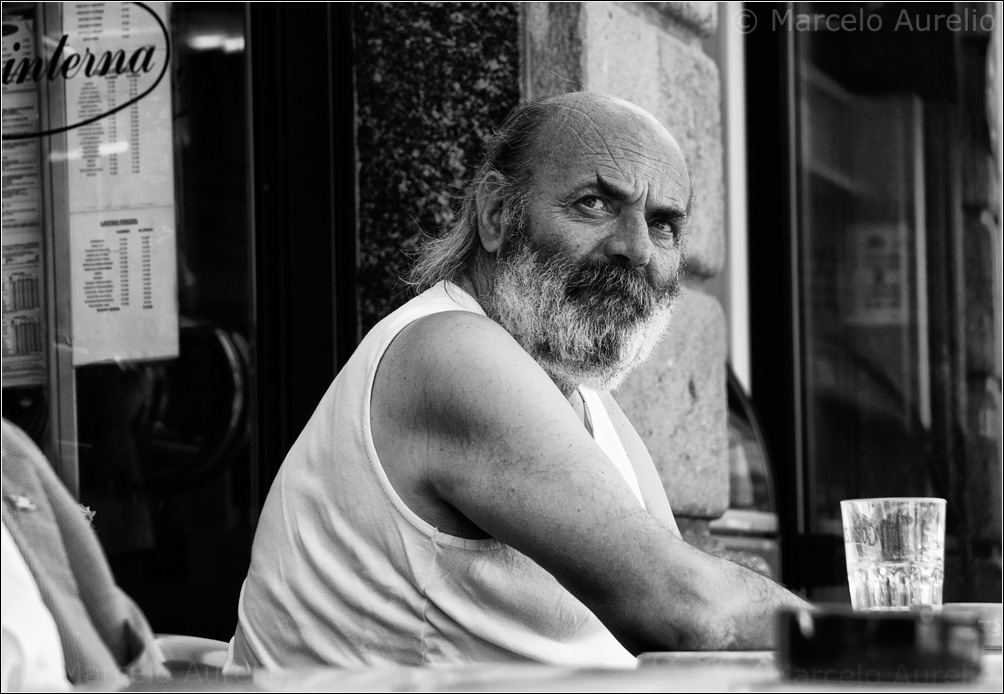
[607,439]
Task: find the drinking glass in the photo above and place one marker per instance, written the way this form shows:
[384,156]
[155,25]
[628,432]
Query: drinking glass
[895,551]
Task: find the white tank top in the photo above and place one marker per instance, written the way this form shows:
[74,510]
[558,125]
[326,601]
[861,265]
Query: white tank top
[344,573]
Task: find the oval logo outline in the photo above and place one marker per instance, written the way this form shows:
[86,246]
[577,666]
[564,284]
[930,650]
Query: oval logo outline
[105,114]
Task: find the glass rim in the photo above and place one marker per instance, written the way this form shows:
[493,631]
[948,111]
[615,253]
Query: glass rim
[926,499]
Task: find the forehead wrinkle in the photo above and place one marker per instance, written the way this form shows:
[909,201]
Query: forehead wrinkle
[588,145]
[621,157]
[569,111]
[570,118]
[626,116]
[625,112]
[640,147]
[629,141]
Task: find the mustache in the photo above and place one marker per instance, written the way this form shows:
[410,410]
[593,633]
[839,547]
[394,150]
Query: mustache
[621,293]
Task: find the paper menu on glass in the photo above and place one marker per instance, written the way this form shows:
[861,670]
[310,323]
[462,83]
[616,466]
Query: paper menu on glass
[23,282]
[22,181]
[21,249]
[23,313]
[120,156]
[120,172]
[119,290]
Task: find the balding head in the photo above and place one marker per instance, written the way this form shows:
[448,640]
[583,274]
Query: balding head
[583,122]
[542,139]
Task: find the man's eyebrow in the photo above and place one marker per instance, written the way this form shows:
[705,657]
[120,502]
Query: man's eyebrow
[609,190]
[671,212]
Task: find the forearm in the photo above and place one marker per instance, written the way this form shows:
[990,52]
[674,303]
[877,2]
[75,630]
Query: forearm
[701,602]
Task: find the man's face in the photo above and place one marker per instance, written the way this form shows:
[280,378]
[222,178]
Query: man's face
[611,187]
[586,280]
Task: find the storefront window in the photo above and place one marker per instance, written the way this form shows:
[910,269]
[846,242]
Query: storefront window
[128,302]
[897,236]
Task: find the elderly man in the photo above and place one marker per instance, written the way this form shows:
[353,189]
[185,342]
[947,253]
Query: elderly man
[467,489]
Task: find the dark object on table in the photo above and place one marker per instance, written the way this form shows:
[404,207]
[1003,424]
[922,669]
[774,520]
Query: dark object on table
[835,645]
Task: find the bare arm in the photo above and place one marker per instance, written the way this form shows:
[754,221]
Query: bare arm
[491,436]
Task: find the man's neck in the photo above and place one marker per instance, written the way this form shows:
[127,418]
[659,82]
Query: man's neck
[469,285]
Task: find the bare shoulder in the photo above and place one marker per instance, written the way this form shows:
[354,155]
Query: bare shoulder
[460,375]
[448,359]
[449,336]
[455,401]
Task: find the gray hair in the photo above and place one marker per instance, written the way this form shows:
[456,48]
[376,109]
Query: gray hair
[508,155]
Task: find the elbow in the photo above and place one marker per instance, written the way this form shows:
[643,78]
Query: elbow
[698,615]
[704,623]
[693,632]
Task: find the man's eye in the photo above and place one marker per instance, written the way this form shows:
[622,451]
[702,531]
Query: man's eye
[592,202]
[664,227]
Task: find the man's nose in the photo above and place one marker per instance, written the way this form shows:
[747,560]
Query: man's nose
[630,244]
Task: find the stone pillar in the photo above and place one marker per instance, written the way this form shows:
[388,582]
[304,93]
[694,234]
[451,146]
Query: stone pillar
[650,54]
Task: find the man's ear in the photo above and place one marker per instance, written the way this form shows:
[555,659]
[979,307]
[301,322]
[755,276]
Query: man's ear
[488,197]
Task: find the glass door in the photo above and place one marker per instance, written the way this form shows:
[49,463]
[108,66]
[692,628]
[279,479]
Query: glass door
[875,296]
[129,305]
[895,198]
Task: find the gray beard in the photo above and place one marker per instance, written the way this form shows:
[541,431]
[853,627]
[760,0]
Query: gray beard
[584,324]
